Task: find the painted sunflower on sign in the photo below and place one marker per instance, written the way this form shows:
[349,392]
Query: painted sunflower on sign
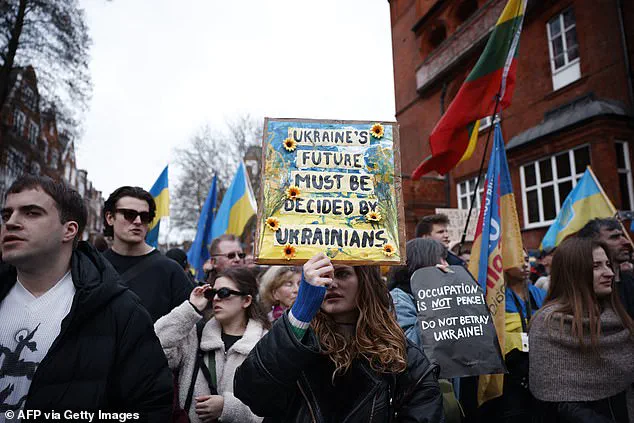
[293,192]
[273,223]
[288,251]
[388,250]
[373,216]
[377,131]
[290,144]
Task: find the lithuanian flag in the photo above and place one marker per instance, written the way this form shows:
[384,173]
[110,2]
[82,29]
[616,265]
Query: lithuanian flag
[454,137]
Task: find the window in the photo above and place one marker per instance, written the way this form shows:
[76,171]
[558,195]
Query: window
[564,49]
[625,174]
[34,133]
[547,182]
[465,193]
[15,165]
[486,122]
[54,158]
[28,97]
[18,121]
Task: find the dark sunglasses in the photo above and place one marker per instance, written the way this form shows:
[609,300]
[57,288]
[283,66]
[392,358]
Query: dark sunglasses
[231,255]
[130,215]
[222,293]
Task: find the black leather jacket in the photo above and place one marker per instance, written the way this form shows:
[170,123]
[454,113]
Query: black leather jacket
[285,380]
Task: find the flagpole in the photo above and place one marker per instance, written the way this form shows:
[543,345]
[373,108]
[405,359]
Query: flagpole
[484,156]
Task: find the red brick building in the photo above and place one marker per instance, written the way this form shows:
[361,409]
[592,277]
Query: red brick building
[30,143]
[572,105]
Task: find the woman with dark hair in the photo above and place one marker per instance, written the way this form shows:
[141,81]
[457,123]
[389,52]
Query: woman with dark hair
[207,354]
[339,355]
[421,252]
[582,341]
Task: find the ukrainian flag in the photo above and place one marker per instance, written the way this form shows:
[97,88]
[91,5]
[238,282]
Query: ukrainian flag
[497,247]
[585,202]
[160,193]
[238,206]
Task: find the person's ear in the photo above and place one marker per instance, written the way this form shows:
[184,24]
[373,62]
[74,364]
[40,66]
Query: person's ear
[246,301]
[110,218]
[274,295]
[70,231]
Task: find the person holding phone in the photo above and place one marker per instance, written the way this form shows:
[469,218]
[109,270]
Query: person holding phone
[206,338]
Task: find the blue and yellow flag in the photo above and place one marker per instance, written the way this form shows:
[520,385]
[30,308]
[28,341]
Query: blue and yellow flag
[199,251]
[496,248]
[161,195]
[238,206]
[585,202]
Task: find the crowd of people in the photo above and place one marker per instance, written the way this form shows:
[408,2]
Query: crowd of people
[123,329]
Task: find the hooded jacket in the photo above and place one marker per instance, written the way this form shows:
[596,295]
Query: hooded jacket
[106,356]
[286,380]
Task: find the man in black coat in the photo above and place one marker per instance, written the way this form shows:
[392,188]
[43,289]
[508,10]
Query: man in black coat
[160,283]
[71,336]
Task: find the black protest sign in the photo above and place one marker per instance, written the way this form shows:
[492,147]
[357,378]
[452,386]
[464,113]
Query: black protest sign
[454,323]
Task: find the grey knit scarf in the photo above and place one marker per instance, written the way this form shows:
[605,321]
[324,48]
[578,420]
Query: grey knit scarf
[560,370]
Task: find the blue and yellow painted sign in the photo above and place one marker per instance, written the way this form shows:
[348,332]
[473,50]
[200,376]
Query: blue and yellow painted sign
[331,186]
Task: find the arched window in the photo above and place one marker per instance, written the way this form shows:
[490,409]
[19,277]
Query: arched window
[465,10]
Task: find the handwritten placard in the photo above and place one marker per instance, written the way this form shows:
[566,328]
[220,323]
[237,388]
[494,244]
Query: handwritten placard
[332,187]
[454,323]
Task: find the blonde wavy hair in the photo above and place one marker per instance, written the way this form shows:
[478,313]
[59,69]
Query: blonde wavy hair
[272,279]
[378,338]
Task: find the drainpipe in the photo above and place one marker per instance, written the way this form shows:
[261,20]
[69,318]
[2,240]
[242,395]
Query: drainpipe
[626,56]
[443,96]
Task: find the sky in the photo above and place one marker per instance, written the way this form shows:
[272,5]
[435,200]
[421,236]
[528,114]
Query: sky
[162,68]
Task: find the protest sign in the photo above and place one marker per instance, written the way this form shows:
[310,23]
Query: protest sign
[454,323]
[333,187]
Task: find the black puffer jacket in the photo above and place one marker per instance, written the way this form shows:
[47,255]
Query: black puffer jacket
[288,381]
[107,356]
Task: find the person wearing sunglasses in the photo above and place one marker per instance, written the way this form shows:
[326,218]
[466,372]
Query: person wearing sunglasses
[339,356]
[225,251]
[219,325]
[160,282]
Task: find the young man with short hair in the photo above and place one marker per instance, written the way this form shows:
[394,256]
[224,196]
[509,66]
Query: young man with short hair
[610,232]
[160,283]
[72,338]
[435,226]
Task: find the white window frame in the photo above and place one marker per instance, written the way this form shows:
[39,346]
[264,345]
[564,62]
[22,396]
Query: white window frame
[574,175]
[16,165]
[463,191]
[571,70]
[19,120]
[34,132]
[54,158]
[487,122]
[627,170]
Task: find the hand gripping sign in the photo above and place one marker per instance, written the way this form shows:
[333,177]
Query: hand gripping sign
[454,323]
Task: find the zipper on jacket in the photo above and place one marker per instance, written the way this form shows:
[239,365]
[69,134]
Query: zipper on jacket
[312,413]
[373,405]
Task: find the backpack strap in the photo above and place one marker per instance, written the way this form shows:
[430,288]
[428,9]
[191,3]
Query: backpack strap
[138,268]
[199,364]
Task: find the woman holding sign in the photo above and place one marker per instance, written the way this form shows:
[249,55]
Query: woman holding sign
[339,355]
[582,340]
